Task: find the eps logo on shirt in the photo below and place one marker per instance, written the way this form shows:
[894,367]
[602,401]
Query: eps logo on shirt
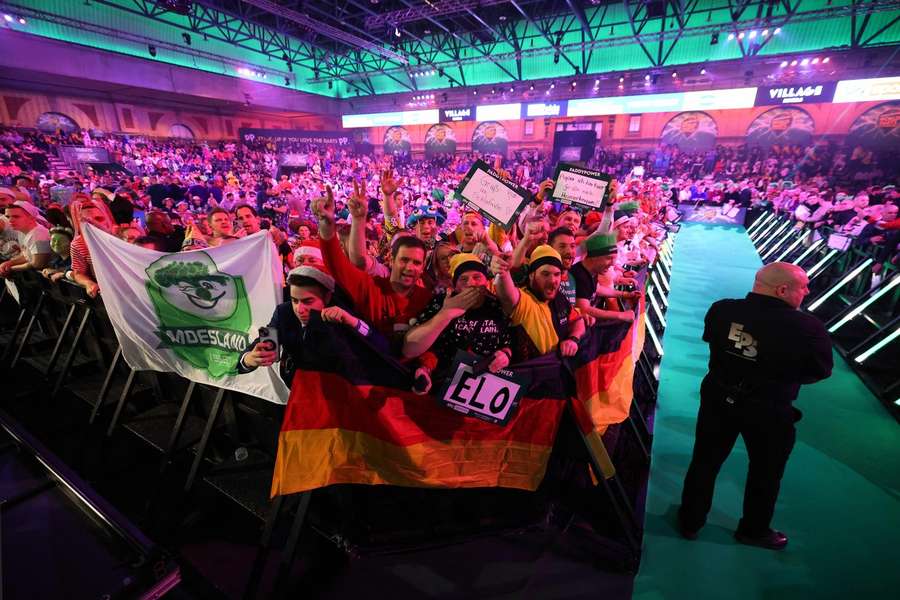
[743,341]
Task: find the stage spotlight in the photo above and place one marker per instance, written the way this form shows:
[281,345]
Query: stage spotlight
[531,87]
[741,35]
[596,82]
[804,62]
[493,90]
[574,83]
[397,31]
[815,61]
[752,34]
[474,92]
[777,30]
[621,80]
[730,36]
[151,49]
[647,77]
[825,60]
[511,89]
[714,39]
[621,87]
[794,63]
[187,38]
[552,85]
[8,18]
[765,32]
[784,63]
[703,71]
[22,21]
[674,74]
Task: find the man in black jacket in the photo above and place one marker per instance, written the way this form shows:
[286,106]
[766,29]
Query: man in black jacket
[762,349]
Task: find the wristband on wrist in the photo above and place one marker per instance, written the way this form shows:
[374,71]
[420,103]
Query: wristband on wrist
[574,338]
[507,352]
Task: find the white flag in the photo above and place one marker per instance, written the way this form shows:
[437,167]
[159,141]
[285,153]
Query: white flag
[191,313]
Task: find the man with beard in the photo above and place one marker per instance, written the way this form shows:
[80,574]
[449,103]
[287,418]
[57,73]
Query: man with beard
[538,309]
[163,233]
[601,250]
[389,303]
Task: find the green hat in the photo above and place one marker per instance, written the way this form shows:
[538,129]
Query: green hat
[628,208]
[437,194]
[603,244]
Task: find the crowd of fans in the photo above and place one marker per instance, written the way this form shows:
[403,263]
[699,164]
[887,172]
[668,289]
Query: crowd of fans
[387,249]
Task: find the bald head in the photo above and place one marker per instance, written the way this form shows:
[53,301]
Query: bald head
[782,280]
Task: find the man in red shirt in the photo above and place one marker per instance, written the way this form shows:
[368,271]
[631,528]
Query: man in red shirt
[389,303]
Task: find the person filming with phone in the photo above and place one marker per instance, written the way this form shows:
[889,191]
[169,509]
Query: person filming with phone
[285,337]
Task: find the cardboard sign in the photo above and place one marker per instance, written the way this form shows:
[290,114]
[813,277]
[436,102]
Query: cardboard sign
[491,397]
[581,187]
[495,198]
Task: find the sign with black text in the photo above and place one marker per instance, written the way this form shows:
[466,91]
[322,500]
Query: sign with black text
[497,199]
[465,113]
[581,187]
[491,397]
[795,94]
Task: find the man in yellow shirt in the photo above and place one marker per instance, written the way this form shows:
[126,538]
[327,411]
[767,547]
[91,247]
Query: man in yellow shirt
[538,308]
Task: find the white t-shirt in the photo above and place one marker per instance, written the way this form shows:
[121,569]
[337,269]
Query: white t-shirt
[36,241]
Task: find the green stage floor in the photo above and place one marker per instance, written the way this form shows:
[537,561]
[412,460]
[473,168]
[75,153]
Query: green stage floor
[840,497]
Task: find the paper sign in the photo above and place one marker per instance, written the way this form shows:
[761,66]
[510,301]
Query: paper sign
[491,397]
[581,187]
[494,197]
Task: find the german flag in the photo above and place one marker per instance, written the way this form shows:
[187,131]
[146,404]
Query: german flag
[604,374]
[352,419]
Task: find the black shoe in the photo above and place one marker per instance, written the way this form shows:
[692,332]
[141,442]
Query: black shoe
[686,532]
[771,540]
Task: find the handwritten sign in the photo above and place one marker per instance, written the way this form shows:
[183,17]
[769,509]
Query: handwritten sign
[581,187]
[491,397]
[495,198]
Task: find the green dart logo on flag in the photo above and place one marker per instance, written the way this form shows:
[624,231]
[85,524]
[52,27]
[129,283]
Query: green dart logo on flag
[204,314]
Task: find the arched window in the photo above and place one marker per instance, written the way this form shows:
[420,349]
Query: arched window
[51,122]
[181,131]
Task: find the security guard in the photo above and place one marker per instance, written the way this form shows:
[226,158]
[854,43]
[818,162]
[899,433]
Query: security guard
[762,349]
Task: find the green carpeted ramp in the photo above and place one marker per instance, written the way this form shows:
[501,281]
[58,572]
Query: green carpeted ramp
[840,497]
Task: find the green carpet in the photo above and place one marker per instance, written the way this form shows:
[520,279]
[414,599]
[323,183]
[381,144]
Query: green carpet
[840,497]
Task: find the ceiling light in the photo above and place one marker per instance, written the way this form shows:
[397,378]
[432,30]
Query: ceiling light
[552,85]
[621,87]
[621,80]
[574,83]
[825,60]
[22,21]
[674,73]
[730,36]
[531,87]
[794,63]
[646,77]
[752,34]
[765,32]
[777,30]
[474,92]
[397,31]
[784,63]
[741,35]
[815,61]
[804,62]
[7,18]
[703,71]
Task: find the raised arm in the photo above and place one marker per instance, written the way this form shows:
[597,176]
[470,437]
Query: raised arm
[506,289]
[359,209]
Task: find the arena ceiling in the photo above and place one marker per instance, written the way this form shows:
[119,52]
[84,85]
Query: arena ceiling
[342,48]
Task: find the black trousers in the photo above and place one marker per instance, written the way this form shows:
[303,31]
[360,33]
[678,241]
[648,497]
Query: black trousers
[769,436]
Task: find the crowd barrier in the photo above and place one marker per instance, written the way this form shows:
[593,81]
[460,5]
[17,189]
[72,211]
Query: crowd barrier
[227,441]
[854,290]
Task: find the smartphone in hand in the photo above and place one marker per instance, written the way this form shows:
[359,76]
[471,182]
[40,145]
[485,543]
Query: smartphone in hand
[268,339]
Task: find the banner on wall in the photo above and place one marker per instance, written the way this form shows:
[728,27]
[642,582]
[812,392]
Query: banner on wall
[878,128]
[490,137]
[397,142]
[295,136]
[792,126]
[691,131]
[466,113]
[795,94]
[51,122]
[440,139]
